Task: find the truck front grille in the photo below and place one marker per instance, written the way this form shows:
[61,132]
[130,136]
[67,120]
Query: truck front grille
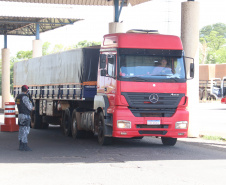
[152,112]
[141,106]
[141,100]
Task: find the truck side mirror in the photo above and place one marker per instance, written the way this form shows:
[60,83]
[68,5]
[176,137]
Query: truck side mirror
[102,61]
[190,67]
[103,72]
[192,70]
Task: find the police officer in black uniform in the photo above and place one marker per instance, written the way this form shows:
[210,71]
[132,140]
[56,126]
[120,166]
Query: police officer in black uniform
[24,105]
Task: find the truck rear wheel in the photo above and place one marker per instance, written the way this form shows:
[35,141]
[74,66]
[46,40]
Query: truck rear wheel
[74,127]
[168,141]
[102,139]
[67,123]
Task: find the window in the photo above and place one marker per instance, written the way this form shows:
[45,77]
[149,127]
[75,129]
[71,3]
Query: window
[111,65]
[133,67]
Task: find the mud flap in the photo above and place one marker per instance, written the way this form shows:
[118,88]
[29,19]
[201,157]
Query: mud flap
[108,119]
[108,124]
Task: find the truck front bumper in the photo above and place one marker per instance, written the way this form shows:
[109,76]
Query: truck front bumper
[149,126]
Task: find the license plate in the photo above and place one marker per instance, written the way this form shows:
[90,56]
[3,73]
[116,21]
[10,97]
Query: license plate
[153,122]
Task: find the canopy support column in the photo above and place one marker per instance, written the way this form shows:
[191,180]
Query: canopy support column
[190,40]
[116,27]
[5,73]
[37,44]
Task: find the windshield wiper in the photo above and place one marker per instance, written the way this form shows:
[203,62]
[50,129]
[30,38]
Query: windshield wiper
[176,79]
[138,79]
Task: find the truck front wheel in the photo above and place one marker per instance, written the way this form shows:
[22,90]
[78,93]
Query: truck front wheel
[102,139]
[168,141]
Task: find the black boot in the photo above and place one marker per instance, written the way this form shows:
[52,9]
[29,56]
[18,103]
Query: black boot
[21,146]
[26,147]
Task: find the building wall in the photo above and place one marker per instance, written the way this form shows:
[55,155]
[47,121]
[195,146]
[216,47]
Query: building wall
[206,71]
[220,70]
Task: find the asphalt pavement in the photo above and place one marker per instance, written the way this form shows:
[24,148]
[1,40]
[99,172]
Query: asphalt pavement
[56,159]
[59,160]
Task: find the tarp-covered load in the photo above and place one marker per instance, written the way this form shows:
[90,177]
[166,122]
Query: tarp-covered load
[68,70]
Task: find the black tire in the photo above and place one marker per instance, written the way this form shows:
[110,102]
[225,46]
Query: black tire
[102,139]
[168,141]
[74,127]
[66,124]
[32,118]
[36,118]
[45,125]
[201,94]
[211,97]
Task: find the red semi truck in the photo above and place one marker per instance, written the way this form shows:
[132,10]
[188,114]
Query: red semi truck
[118,90]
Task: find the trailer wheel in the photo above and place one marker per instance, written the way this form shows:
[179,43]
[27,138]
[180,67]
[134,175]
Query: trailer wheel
[74,127]
[168,141]
[212,97]
[67,123]
[36,119]
[102,139]
[201,94]
[45,125]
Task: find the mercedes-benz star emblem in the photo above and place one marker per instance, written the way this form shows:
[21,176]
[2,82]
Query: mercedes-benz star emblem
[154,98]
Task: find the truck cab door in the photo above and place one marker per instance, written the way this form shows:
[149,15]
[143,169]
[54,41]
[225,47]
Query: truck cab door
[110,79]
[106,84]
[101,74]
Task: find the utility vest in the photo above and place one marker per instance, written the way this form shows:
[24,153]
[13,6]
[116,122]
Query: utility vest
[21,106]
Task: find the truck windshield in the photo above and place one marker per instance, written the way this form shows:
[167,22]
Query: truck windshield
[151,68]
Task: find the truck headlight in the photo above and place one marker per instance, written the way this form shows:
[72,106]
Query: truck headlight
[123,124]
[181,125]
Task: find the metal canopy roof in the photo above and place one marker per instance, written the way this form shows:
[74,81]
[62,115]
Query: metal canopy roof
[82,2]
[16,25]
[26,26]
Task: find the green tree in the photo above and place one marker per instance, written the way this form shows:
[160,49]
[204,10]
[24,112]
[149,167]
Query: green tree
[45,48]
[219,27]
[24,55]
[212,39]
[215,40]
[221,55]
[85,43]
[203,51]
[58,48]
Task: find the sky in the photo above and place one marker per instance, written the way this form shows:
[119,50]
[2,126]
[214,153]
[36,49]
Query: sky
[162,15]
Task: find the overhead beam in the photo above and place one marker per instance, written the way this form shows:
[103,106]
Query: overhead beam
[37,31]
[118,9]
[35,22]
[5,41]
